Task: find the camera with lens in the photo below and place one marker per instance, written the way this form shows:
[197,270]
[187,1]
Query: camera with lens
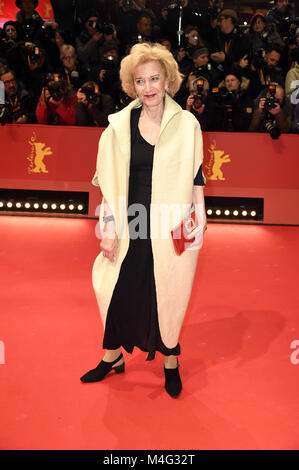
[199,96]
[91,92]
[56,85]
[5,114]
[227,101]
[257,58]
[108,29]
[201,70]
[96,25]
[32,52]
[271,101]
[108,63]
[286,31]
[10,113]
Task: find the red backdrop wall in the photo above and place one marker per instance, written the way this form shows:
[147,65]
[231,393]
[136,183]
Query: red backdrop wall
[8,10]
[235,165]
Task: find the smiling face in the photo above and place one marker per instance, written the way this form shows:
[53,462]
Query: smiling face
[150,83]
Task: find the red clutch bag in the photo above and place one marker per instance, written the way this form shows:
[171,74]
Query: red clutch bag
[178,234]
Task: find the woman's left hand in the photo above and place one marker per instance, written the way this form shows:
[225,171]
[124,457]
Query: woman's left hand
[198,233]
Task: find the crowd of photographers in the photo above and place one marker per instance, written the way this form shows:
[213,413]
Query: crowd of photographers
[236,78]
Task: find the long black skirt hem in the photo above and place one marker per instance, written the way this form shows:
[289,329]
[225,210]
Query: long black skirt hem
[151,354]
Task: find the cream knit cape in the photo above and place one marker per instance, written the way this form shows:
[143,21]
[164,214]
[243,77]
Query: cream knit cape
[178,155]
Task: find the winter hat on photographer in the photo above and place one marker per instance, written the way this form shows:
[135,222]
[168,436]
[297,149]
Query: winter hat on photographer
[19,3]
[230,14]
[198,52]
[234,72]
[91,12]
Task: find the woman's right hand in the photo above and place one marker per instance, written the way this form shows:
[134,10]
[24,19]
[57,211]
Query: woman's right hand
[109,246]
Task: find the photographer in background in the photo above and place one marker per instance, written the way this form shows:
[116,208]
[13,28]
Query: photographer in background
[93,108]
[264,69]
[90,40]
[126,17]
[201,68]
[207,21]
[57,102]
[29,20]
[74,74]
[228,44]
[282,16]
[106,73]
[262,34]
[10,36]
[29,63]
[170,19]
[233,105]
[18,107]
[191,42]
[199,102]
[272,112]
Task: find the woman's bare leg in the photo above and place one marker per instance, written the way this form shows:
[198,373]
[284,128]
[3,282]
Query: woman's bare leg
[111,355]
[170,362]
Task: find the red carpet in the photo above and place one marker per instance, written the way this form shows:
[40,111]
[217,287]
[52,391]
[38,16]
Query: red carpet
[240,388]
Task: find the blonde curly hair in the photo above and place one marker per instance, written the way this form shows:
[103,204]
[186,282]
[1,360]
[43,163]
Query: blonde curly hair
[143,53]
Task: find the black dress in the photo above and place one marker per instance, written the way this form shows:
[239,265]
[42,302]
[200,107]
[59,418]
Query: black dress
[132,317]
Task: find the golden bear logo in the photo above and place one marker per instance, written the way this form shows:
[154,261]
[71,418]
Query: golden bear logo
[2,4]
[48,10]
[37,155]
[217,158]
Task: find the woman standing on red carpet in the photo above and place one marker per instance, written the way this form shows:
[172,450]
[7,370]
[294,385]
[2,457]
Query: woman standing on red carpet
[149,169]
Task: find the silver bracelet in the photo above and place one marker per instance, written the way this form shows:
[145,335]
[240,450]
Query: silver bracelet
[108,218]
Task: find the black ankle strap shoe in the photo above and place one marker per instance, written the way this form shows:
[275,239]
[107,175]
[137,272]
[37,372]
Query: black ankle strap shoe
[102,369]
[173,383]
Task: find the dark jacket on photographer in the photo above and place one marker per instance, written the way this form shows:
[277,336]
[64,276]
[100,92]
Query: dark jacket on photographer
[88,50]
[282,120]
[64,114]
[95,114]
[30,29]
[75,78]
[32,79]
[6,43]
[111,84]
[262,40]
[233,110]
[277,17]
[19,105]
[235,45]
[205,118]
[262,77]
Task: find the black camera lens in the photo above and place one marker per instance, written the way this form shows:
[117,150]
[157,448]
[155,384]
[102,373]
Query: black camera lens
[108,30]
